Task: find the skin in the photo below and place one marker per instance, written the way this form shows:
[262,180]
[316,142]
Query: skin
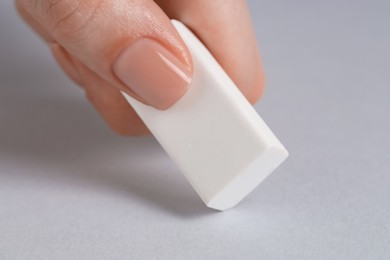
[85,37]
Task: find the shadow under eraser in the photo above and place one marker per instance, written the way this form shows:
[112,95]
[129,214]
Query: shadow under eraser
[213,134]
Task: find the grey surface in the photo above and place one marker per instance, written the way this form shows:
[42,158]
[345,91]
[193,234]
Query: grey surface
[70,189]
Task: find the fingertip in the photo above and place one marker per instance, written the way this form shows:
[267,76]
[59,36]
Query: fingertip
[257,89]
[136,129]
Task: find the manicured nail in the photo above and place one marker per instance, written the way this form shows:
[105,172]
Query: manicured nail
[153,73]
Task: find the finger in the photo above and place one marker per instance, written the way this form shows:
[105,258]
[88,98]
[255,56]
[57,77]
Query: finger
[62,57]
[66,62]
[107,100]
[225,28]
[33,23]
[111,105]
[132,45]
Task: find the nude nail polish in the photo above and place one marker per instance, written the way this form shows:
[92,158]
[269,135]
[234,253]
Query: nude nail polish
[153,73]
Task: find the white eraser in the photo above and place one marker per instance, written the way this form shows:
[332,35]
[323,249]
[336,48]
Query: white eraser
[213,134]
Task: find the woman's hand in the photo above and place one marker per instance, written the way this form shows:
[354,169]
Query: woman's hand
[130,45]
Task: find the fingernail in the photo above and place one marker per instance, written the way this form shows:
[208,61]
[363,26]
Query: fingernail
[153,73]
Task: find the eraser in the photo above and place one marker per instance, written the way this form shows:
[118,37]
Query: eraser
[213,134]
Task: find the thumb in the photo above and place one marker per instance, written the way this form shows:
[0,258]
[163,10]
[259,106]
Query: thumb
[131,44]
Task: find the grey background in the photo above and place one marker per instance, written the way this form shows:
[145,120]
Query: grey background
[71,189]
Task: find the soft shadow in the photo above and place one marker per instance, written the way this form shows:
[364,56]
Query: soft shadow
[65,132]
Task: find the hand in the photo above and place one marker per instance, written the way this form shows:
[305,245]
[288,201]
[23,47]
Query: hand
[131,45]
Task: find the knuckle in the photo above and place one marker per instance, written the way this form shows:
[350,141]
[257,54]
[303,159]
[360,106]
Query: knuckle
[61,15]
[19,8]
[24,6]
[70,19]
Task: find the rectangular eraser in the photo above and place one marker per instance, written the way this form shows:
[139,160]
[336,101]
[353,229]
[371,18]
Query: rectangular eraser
[213,134]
